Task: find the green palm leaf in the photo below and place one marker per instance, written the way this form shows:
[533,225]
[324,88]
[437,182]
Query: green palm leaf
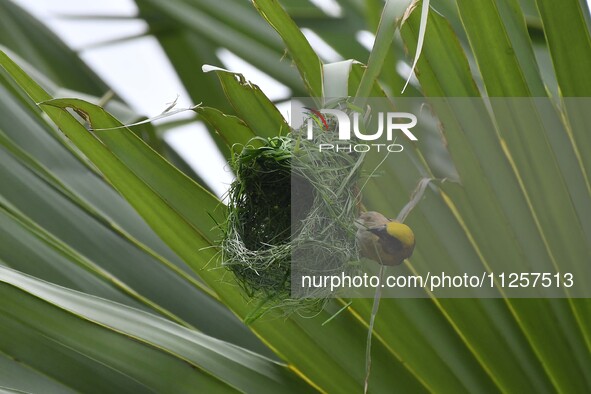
[108,262]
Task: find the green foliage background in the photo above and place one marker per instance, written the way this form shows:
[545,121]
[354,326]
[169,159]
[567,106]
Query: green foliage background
[104,245]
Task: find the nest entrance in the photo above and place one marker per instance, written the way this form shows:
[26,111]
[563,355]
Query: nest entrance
[259,227]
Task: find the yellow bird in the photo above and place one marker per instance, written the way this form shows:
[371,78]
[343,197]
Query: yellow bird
[383,240]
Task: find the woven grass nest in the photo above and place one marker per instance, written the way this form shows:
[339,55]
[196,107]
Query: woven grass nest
[290,206]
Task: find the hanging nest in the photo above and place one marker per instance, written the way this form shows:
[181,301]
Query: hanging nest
[290,208]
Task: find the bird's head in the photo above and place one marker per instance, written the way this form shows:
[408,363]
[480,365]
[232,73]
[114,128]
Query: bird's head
[399,231]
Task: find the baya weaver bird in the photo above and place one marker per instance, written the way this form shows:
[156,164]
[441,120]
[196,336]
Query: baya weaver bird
[385,241]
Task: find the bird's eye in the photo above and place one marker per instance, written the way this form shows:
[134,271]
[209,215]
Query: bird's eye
[377,230]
